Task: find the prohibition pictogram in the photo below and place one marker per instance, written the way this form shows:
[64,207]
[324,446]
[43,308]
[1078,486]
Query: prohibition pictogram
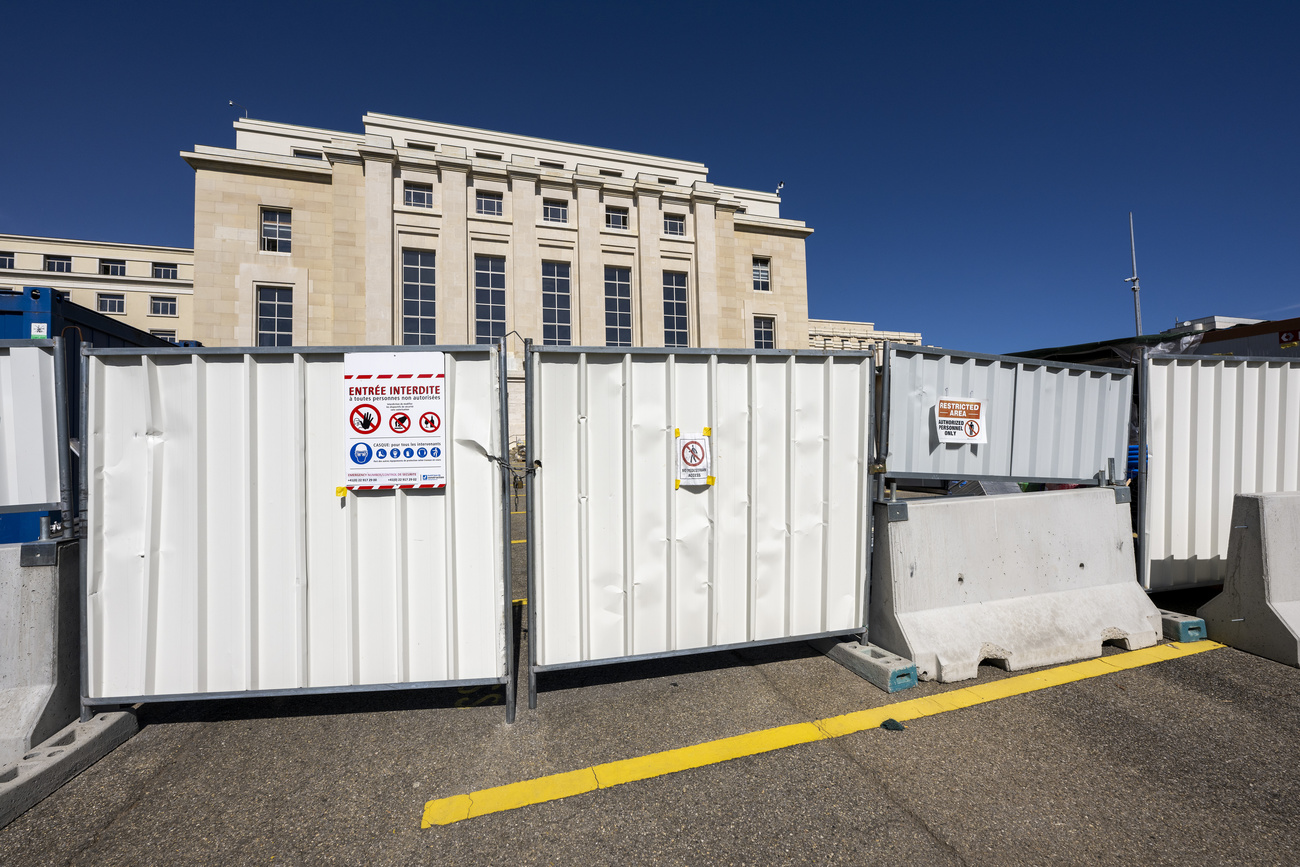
[972,428]
[364,418]
[400,422]
[429,422]
[692,454]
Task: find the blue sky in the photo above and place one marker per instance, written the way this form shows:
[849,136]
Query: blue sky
[968,167]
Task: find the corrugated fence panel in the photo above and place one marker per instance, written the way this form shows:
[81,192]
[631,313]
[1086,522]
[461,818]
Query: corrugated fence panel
[29,440]
[222,560]
[1043,421]
[1215,428]
[628,565]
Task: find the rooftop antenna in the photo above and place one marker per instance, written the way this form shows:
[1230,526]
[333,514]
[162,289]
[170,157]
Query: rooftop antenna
[1137,303]
[232,102]
[779,187]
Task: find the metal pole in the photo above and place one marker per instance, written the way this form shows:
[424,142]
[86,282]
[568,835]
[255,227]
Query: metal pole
[1137,303]
[87,710]
[530,425]
[1140,548]
[508,584]
[61,436]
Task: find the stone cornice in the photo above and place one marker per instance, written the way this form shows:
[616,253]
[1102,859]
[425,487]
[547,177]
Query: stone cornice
[772,226]
[260,163]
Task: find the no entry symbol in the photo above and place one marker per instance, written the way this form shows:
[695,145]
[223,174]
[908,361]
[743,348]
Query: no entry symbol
[692,454]
[364,418]
[400,422]
[972,428]
[429,422]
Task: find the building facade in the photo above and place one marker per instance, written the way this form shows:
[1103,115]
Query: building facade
[148,287]
[837,334]
[424,233]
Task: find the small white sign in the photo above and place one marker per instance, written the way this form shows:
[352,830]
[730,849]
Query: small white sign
[40,329]
[394,405]
[694,466]
[960,420]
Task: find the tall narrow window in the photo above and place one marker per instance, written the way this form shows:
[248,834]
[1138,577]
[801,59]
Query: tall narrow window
[274,316]
[489,299]
[675,328]
[762,275]
[557,320]
[618,306]
[277,233]
[764,332]
[419,321]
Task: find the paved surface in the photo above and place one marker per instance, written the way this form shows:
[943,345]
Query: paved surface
[1182,762]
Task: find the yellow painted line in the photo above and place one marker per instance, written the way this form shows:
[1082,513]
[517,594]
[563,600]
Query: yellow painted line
[456,808]
[519,601]
[519,513]
[518,541]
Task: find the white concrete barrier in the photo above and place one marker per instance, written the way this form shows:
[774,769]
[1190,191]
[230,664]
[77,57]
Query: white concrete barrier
[1024,579]
[1259,608]
[39,659]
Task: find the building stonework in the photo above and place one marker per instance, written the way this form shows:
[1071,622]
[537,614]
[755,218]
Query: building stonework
[356,203]
[148,287]
[834,334]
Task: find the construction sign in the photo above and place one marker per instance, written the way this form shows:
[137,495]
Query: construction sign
[694,466]
[395,404]
[960,421]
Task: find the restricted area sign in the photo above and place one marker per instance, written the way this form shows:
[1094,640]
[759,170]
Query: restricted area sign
[960,420]
[395,402]
[693,464]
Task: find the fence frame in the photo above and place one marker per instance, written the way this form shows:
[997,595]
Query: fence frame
[61,443]
[887,475]
[1144,453]
[533,351]
[89,705]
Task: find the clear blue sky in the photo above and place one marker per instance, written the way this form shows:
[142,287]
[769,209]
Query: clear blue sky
[968,167]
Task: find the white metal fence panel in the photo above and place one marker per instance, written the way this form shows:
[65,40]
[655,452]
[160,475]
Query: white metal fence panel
[1215,427]
[30,441]
[1043,420]
[221,558]
[625,564]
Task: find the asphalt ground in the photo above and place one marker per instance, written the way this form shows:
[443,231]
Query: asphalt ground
[1191,760]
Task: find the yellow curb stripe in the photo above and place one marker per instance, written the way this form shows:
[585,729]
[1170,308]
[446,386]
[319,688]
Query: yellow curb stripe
[455,808]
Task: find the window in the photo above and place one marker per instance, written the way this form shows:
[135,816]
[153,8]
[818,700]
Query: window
[675,309]
[308,155]
[274,316]
[556,314]
[550,165]
[555,211]
[488,204]
[489,299]
[674,224]
[762,274]
[419,195]
[419,320]
[164,271]
[277,234]
[162,305]
[764,332]
[165,335]
[110,303]
[618,306]
[610,173]
[112,267]
[58,263]
[615,218]
[6,260]
[485,155]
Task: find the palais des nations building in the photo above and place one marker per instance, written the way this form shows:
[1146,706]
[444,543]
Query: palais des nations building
[421,233]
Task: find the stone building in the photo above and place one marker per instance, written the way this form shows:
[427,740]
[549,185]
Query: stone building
[148,287]
[421,232]
[837,334]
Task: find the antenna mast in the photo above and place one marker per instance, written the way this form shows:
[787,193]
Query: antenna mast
[1137,303]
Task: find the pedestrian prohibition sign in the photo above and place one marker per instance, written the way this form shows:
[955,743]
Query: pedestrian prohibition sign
[400,422]
[692,454]
[429,422]
[972,428]
[693,460]
[364,418]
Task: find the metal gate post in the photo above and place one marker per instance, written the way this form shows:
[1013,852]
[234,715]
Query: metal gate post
[529,426]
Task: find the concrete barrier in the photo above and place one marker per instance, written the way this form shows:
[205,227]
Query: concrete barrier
[1259,608]
[40,663]
[1021,579]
